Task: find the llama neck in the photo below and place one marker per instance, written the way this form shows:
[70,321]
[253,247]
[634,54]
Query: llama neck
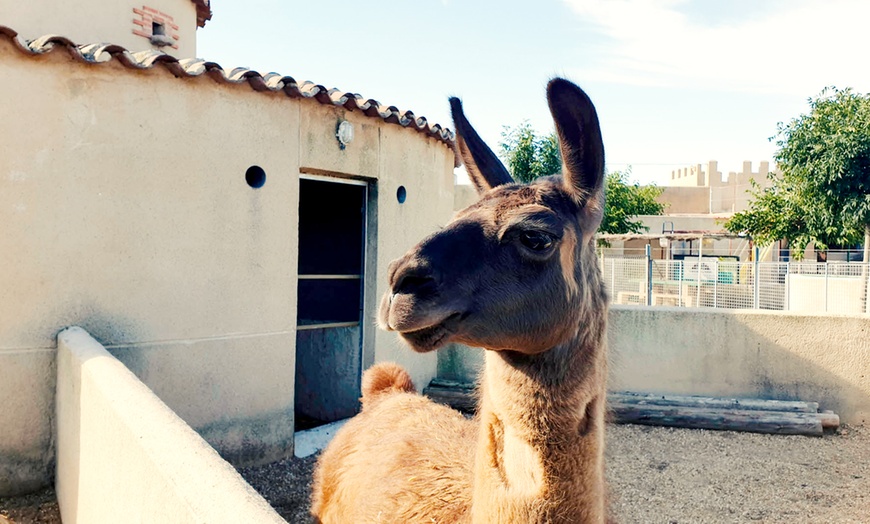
[540,448]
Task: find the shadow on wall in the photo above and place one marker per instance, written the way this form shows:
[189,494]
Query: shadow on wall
[750,354]
[774,355]
[210,383]
[27,386]
[122,454]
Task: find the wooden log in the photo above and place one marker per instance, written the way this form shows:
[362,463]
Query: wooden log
[754,415]
[450,392]
[452,384]
[460,397]
[830,420]
[751,404]
[780,423]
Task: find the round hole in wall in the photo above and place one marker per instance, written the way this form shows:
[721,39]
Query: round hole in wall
[255,177]
[401,194]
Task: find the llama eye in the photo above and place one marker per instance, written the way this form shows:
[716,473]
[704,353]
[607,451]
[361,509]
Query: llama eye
[536,240]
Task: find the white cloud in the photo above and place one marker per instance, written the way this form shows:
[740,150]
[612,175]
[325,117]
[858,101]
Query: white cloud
[798,48]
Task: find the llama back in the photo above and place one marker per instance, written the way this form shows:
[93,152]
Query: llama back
[385,378]
[402,459]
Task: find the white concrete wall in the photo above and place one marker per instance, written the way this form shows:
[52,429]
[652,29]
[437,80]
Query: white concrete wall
[124,456]
[104,21]
[740,353]
[408,225]
[463,196]
[389,156]
[743,353]
[26,444]
[130,216]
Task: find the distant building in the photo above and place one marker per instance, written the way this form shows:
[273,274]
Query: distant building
[700,189]
[698,200]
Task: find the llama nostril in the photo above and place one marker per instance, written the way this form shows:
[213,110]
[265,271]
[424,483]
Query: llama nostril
[414,283]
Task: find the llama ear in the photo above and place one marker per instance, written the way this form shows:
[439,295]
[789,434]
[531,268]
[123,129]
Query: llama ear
[484,168]
[580,143]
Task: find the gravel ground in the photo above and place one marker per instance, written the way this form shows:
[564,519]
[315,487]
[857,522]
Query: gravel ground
[666,475]
[657,475]
[40,507]
[286,484]
[686,476]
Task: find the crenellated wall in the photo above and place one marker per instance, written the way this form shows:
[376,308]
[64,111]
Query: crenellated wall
[702,189]
[695,176]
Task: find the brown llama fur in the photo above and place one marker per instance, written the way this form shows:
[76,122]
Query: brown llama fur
[515,274]
[387,377]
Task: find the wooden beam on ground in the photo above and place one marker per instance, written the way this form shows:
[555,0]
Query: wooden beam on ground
[776,422]
[457,395]
[750,404]
[830,420]
[755,415]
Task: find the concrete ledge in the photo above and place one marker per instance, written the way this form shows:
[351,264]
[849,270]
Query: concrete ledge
[731,353]
[124,456]
[744,353]
[236,392]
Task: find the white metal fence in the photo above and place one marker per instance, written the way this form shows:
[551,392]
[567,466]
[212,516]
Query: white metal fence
[833,287]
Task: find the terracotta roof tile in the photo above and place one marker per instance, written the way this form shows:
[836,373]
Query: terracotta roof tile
[193,67]
[203,12]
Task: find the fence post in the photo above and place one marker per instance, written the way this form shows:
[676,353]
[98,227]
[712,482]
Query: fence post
[826,286]
[682,268]
[715,283]
[613,276]
[755,292]
[649,274]
[700,263]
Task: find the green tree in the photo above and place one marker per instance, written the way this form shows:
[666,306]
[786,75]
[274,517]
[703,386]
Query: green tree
[529,156]
[774,213]
[823,193]
[625,201]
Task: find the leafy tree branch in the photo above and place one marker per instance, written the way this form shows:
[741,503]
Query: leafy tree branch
[529,156]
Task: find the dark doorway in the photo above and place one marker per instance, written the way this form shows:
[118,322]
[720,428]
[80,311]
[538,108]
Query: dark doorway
[332,217]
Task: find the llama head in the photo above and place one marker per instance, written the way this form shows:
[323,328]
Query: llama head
[516,270]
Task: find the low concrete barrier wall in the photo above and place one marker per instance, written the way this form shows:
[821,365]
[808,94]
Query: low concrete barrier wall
[124,456]
[739,353]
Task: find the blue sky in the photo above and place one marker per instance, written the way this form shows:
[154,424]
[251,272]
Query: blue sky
[676,82]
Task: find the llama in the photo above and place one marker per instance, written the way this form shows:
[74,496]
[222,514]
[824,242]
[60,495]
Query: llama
[515,274]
